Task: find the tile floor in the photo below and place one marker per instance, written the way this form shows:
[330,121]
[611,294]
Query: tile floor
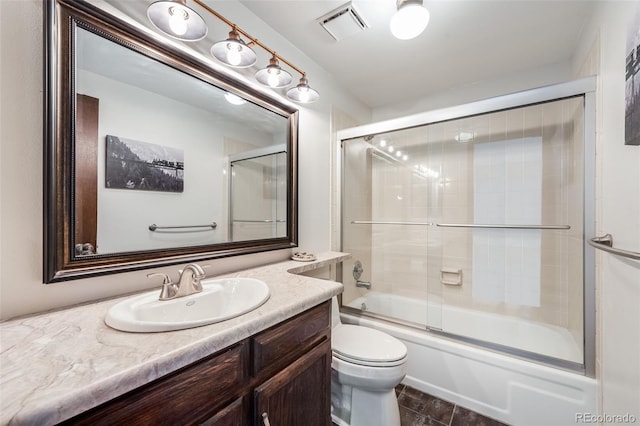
[420,409]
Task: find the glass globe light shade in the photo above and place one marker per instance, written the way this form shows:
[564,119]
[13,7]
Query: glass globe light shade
[409,21]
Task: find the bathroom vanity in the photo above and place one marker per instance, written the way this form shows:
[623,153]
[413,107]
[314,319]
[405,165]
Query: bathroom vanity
[269,366]
[244,384]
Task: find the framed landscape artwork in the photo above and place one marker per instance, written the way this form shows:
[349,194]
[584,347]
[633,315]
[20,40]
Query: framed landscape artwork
[143,166]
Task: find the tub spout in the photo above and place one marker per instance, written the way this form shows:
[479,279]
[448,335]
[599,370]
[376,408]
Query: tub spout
[364,284]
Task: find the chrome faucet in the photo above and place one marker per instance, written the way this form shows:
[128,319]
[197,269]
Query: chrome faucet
[188,283]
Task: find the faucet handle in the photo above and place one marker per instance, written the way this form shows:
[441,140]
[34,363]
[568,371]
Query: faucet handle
[165,280]
[169,289]
[203,272]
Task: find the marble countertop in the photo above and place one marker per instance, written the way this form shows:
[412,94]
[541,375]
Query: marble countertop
[61,363]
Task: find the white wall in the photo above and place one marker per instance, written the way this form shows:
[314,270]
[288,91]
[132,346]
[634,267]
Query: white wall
[21,153]
[617,212]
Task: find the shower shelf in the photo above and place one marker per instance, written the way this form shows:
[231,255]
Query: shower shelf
[460,225]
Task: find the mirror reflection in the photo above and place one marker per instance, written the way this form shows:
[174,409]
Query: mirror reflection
[165,160]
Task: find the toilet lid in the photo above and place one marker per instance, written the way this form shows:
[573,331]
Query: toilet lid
[364,345]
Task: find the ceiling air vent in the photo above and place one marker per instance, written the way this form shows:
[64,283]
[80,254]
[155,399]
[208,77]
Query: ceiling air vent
[343,22]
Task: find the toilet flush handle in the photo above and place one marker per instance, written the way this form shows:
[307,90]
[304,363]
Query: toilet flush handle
[265,419]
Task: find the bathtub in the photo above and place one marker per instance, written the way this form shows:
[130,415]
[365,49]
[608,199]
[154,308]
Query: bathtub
[507,388]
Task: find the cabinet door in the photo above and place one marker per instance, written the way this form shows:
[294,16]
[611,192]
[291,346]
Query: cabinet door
[232,415]
[299,394]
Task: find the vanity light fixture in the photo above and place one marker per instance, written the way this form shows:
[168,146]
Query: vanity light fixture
[303,92]
[272,75]
[233,51]
[410,20]
[177,20]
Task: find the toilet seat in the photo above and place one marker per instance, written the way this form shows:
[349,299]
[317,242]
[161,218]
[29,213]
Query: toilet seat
[367,346]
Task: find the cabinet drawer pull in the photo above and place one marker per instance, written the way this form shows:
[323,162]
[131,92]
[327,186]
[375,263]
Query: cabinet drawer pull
[265,419]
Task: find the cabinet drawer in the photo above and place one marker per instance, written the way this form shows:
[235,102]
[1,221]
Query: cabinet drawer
[283,343]
[193,392]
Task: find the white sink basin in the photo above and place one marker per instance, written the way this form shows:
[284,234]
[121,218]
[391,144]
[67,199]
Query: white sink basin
[220,299]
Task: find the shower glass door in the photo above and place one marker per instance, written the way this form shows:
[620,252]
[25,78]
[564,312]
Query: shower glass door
[473,227]
[386,210]
[258,192]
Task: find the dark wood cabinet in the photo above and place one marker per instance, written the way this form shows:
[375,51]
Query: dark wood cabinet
[299,394]
[284,371]
[234,414]
[194,393]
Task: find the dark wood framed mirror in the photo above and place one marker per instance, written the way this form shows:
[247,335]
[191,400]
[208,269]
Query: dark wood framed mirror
[146,162]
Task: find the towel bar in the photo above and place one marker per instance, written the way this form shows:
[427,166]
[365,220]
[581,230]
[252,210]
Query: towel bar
[211,225]
[605,243]
[460,225]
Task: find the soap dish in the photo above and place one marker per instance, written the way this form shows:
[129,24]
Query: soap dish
[302,256]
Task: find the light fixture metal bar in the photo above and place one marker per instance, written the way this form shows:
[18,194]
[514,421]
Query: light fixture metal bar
[247,35]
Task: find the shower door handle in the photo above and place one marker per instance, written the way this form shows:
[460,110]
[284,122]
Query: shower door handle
[605,243]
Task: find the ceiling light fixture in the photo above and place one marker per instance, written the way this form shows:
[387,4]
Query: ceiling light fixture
[410,20]
[272,75]
[175,19]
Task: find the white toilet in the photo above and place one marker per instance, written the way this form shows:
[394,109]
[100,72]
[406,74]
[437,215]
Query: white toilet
[367,365]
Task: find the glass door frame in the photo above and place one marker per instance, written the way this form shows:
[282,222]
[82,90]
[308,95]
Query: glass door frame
[249,155]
